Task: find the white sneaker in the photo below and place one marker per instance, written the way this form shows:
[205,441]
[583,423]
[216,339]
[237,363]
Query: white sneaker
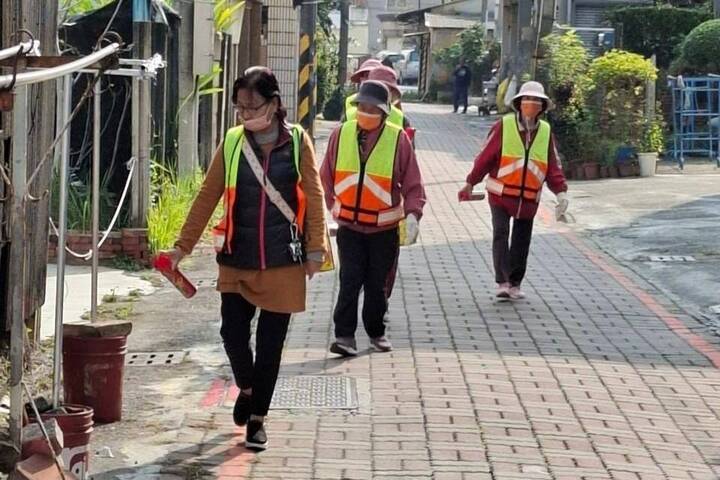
[516,293]
[503,292]
[381,344]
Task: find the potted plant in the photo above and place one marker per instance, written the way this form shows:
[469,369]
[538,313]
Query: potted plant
[651,144]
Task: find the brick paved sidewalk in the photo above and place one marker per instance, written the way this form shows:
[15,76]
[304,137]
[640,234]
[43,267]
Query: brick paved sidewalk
[593,376]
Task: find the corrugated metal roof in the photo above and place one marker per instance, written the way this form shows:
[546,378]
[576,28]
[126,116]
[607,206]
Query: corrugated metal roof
[433,20]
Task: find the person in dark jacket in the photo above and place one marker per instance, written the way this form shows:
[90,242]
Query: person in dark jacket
[519,157]
[257,268]
[462,78]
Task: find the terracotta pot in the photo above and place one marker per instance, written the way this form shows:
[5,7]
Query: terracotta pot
[626,169]
[591,170]
[604,171]
[579,172]
[613,171]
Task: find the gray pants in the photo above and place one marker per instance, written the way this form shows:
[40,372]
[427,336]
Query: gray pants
[510,261]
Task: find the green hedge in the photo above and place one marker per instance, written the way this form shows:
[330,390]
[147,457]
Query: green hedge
[656,30]
[701,48]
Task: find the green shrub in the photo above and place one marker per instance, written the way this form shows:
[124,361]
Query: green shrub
[621,69]
[700,48]
[658,30]
[172,198]
[564,72]
[653,139]
[335,106]
[327,66]
[480,54]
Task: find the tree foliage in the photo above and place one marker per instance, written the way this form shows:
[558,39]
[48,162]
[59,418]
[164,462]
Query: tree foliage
[699,51]
[480,54]
[656,30]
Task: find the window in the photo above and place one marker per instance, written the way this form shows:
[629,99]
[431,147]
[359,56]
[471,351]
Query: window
[414,56]
[358,14]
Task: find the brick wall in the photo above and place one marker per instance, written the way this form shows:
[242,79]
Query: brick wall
[282,49]
[129,242]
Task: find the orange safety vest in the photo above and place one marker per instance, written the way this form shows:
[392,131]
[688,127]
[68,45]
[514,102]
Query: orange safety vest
[363,190]
[522,167]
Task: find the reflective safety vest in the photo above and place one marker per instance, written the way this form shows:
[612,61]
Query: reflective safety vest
[232,150]
[363,190]
[522,170]
[395,116]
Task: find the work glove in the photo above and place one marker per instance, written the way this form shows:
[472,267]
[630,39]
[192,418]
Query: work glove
[412,229]
[561,207]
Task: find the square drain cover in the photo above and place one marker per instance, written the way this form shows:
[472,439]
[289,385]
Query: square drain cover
[321,391]
[672,258]
[144,359]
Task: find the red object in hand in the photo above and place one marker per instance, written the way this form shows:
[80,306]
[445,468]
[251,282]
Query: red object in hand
[163,264]
[463,196]
[410,133]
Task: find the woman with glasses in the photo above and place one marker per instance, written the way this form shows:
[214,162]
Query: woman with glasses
[271,237]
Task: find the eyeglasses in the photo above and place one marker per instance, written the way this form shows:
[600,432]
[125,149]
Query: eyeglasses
[242,109]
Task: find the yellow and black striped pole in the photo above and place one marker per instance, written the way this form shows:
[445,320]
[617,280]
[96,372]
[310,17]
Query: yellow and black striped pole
[307,109]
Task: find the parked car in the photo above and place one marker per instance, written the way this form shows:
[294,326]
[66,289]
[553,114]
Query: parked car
[408,67]
[392,57]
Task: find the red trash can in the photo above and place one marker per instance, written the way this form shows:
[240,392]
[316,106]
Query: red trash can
[93,369]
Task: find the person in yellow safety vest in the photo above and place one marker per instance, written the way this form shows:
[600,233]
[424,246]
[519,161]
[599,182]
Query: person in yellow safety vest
[268,242]
[519,157]
[360,75]
[372,181]
[397,116]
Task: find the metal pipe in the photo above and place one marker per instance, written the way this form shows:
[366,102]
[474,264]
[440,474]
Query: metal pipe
[57,72]
[95,200]
[24,46]
[62,229]
[18,256]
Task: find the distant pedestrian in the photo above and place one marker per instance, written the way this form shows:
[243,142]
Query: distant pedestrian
[519,156]
[462,78]
[372,181]
[359,76]
[271,237]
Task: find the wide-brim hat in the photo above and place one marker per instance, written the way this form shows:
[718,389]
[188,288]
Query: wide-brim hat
[367,66]
[375,93]
[532,89]
[386,75]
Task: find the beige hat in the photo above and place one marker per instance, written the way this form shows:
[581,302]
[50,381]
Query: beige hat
[532,89]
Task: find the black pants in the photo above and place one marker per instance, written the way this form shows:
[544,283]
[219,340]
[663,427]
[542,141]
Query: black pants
[366,260]
[510,261]
[460,97]
[260,374]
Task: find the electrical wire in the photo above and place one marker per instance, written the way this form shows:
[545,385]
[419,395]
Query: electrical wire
[131,164]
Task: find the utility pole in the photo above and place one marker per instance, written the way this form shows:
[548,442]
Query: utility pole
[307,109]
[344,39]
[716,8]
[142,126]
[187,116]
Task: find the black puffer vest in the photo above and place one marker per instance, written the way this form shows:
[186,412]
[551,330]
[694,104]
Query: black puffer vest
[261,233]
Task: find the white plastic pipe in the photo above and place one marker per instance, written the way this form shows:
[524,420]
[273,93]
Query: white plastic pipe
[60,71]
[25,46]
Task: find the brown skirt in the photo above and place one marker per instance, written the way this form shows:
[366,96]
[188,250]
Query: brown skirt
[280,290]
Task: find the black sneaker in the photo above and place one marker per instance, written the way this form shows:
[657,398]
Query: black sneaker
[241,412]
[345,347]
[256,439]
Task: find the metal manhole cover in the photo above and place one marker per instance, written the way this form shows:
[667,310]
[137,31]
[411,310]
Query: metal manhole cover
[333,392]
[672,258]
[144,359]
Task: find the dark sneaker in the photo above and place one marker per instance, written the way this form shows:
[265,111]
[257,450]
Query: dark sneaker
[345,347]
[381,344]
[256,439]
[241,412]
